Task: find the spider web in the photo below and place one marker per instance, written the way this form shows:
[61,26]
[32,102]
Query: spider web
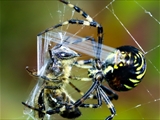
[137,25]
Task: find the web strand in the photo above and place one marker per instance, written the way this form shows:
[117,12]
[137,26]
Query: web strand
[147,12]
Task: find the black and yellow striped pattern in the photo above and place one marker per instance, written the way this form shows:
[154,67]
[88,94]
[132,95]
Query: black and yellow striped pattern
[128,71]
[79,10]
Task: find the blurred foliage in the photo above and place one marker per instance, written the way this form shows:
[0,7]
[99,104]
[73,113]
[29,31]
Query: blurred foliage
[21,21]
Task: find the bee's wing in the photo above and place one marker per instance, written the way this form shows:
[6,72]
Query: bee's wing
[42,62]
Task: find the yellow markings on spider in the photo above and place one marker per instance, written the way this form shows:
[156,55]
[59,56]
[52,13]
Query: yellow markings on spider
[135,84]
[133,80]
[121,64]
[142,64]
[65,23]
[138,72]
[135,65]
[89,18]
[135,59]
[109,68]
[86,23]
[71,5]
[141,75]
[115,66]
[128,87]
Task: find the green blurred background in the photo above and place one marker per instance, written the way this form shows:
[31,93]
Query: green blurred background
[21,21]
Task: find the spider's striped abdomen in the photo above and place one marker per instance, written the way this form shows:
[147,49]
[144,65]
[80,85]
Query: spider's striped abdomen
[125,68]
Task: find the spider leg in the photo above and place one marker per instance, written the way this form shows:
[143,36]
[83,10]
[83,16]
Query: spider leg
[112,95]
[99,99]
[75,21]
[80,79]
[85,96]
[109,104]
[101,95]
[78,90]
[79,10]
[83,63]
